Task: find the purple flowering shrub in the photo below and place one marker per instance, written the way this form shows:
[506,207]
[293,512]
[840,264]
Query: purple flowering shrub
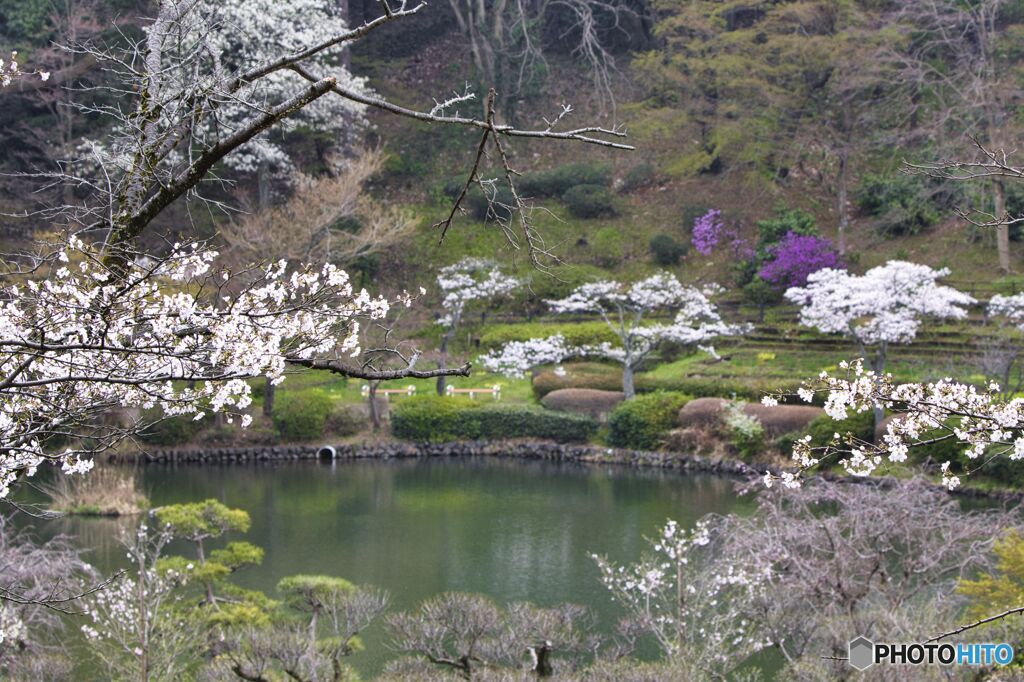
[707,231]
[795,257]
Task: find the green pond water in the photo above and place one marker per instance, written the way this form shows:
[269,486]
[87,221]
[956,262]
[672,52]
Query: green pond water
[514,530]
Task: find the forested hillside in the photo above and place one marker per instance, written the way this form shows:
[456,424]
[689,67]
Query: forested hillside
[757,109]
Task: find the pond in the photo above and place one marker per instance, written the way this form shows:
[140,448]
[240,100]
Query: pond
[514,530]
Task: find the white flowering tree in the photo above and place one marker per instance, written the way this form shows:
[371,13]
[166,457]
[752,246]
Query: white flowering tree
[208,81]
[884,306]
[470,280]
[691,605]
[80,338]
[626,310]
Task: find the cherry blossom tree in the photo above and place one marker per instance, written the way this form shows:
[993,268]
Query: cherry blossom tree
[625,309]
[677,591]
[84,338]
[884,305]
[461,284]
[202,85]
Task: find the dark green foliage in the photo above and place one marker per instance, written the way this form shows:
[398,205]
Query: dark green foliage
[301,416]
[665,250]
[861,425]
[172,430]
[344,420]
[690,215]
[771,230]
[25,19]
[521,421]
[901,204]
[403,166]
[430,418]
[433,419]
[761,293]
[557,181]
[641,423]
[589,201]
[639,176]
[497,202]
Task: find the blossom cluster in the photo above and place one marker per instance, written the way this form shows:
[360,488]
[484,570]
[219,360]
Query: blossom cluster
[470,279]
[885,304]
[941,410]
[707,231]
[10,70]
[163,334]
[795,257]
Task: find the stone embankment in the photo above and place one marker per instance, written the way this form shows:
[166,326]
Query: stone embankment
[527,450]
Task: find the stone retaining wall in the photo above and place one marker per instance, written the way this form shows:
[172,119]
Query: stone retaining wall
[537,450]
[515,449]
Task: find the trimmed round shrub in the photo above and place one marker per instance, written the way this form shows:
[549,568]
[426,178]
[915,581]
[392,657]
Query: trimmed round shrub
[432,418]
[480,205]
[589,201]
[782,419]
[861,425]
[665,250]
[300,416]
[640,175]
[702,413]
[345,420]
[643,422]
[588,401]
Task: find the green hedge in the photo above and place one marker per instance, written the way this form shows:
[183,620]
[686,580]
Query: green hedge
[576,334]
[301,415]
[641,423]
[609,378]
[435,419]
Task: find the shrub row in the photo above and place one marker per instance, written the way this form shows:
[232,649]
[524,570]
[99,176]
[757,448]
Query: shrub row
[581,333]
[699,387]
[433,419]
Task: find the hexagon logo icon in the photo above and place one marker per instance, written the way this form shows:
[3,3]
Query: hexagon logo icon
[862,653]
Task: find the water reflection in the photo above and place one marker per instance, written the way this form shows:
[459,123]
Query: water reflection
[512,529]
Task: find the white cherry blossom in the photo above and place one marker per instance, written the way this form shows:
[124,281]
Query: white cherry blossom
[624,309]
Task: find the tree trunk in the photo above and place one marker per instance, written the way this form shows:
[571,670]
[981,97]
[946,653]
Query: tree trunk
[841,192]
[879,366]
[374,414]
[1003,230]
[627,381]
[268,397]
[442,363]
